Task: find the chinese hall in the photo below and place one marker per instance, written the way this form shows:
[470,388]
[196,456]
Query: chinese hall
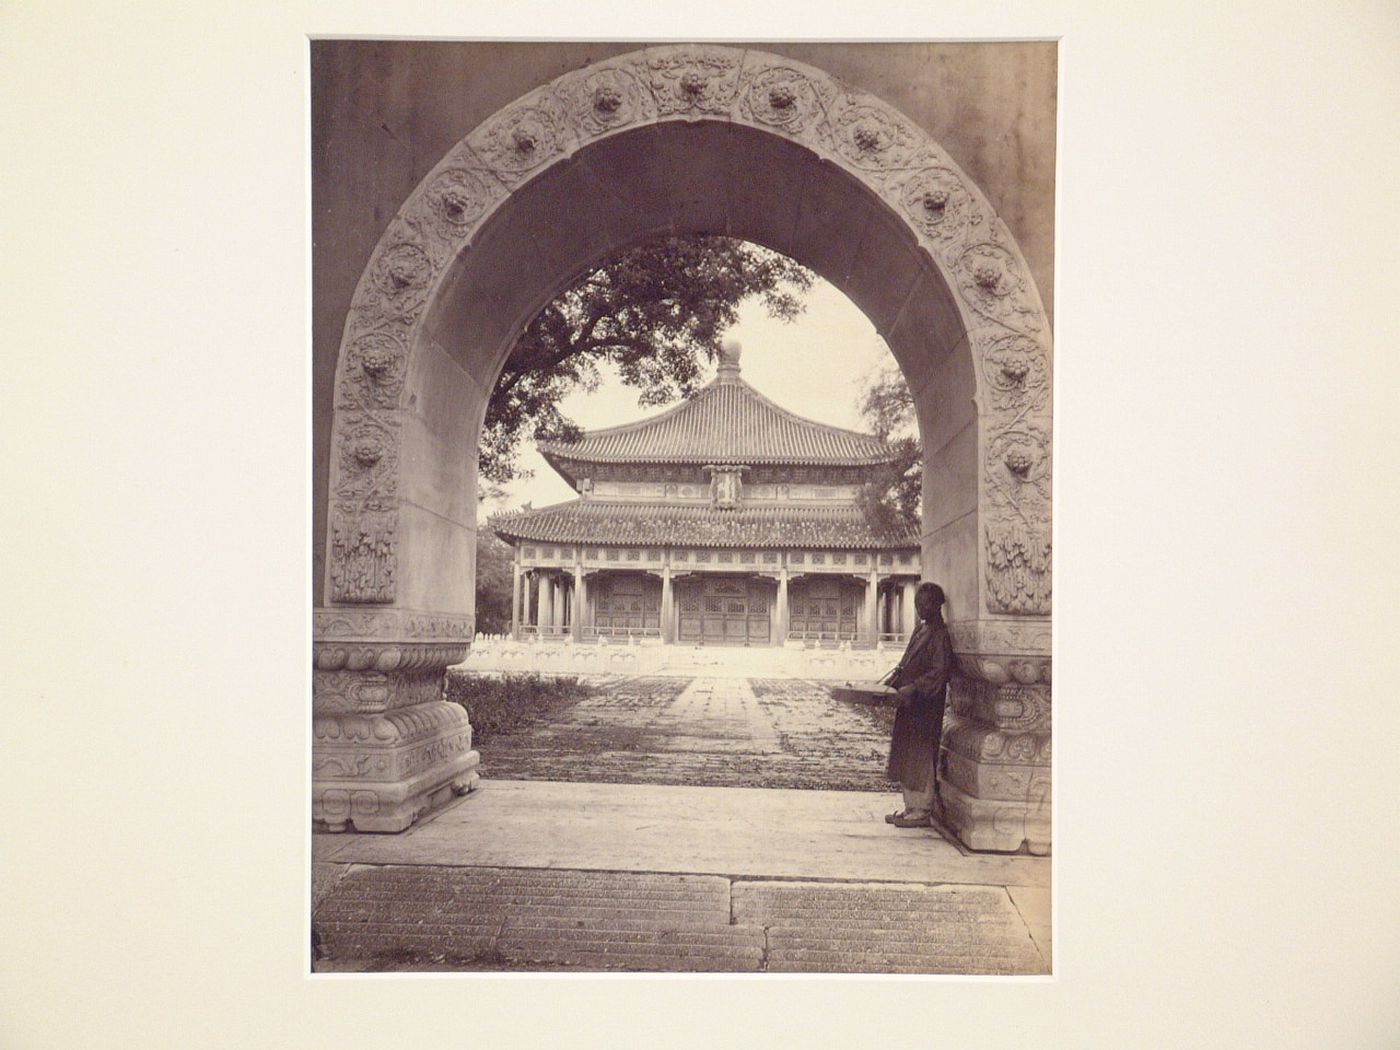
[725,520]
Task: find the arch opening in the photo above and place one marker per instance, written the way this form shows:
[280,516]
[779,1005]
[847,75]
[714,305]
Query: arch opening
[784,157]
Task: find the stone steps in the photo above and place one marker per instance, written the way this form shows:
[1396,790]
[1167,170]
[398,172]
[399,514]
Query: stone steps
[440,917]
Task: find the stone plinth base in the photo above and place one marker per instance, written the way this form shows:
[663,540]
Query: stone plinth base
[380,772]
[1003,825]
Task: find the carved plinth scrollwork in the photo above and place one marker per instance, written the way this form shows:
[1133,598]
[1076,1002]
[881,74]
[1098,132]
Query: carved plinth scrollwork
[378,771]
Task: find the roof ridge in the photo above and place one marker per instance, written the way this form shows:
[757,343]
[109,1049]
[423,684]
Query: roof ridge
[572,449]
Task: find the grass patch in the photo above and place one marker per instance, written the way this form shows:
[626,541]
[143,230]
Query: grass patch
[501,704]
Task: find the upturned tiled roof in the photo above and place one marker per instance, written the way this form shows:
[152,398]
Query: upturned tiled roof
[727,421]
[661,524]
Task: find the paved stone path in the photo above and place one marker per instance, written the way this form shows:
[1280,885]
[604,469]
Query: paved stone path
[444,918]
[720,732]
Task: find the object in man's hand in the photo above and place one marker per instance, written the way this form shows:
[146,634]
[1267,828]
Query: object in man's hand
[865,693]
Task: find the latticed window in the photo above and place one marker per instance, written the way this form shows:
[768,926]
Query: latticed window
[593,553]
[747,557]
[702,555]
[905,559]
[547,553]
[886,559]
[612,555]
[770,557]
[797,557]
[726,557]
[634,555]
[861,559]
[819,559]
[682,556]
[528,552]
[653,555]
[838,559]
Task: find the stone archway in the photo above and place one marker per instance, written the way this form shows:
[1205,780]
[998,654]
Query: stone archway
[679,139]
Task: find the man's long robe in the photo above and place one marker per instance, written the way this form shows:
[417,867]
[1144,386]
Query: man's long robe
[926,665]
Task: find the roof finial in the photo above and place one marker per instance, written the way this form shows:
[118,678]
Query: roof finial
[729,353]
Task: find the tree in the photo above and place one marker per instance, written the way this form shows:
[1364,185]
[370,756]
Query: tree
[657,312]
[893,494]
[494,579]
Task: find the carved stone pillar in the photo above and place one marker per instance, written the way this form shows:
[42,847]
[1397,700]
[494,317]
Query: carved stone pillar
[386,746]
[994,777]
[908,617]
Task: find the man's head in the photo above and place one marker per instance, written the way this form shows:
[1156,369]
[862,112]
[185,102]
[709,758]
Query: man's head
[928,601]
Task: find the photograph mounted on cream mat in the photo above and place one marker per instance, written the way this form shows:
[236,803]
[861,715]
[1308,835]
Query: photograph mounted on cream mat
[682,506]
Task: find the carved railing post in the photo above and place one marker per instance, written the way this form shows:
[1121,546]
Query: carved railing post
[386,746]
[994,775]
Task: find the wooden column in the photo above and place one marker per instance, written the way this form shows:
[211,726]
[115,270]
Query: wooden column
[909,618]
[576,605]
[872,593]
[515,595]
[782,612]
[667,605]
[544,604]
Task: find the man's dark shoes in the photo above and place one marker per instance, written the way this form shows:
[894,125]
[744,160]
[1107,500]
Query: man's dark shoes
[911,820]
[890,818]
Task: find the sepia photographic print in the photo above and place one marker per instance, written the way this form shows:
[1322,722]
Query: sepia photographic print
[682,506]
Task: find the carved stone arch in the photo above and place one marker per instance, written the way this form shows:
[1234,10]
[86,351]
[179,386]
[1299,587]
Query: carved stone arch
[397,327]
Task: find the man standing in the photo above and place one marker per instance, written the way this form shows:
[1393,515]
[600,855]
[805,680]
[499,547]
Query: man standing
[921,679]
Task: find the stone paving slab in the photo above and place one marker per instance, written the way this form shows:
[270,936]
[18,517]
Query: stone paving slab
[528,919]
[683,830]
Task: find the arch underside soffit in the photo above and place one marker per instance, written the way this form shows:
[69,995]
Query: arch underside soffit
[958,289]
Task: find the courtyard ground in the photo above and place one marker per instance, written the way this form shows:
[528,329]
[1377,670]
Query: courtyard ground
[713,732]
[680,824]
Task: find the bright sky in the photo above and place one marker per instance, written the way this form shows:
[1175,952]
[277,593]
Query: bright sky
[813,366]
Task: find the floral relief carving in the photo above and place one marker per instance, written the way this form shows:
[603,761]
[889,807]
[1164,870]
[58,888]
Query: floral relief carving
[781,97]
[1017,520]
[368,456]
[373,373]
[520,140]
[399,279]
[363,552]
[457,200]
[870,137]
[992,283]
[693,81]
[939,205]
[1017,374]
[605,100]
